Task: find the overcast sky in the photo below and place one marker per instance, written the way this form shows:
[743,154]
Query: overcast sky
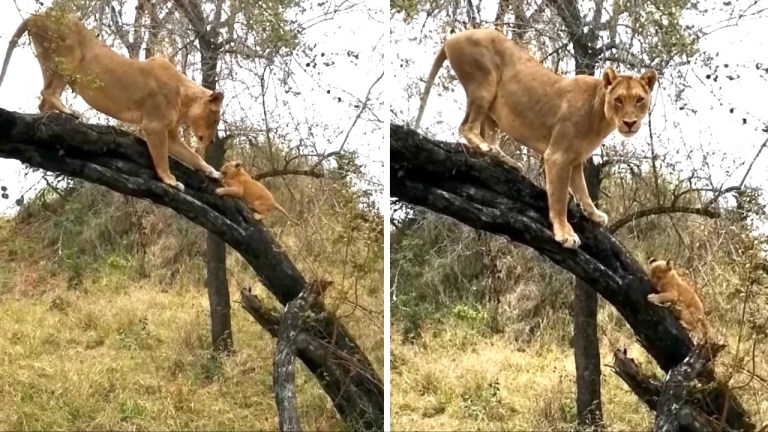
[710,128]
[346,78]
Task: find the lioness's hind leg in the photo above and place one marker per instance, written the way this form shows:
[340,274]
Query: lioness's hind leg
[50,96]
[479,98]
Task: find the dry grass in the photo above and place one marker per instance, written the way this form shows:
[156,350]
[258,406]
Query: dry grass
[454,379]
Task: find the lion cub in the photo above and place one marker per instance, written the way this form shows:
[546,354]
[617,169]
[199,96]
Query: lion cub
[239,184]
[563,119]
[670,287]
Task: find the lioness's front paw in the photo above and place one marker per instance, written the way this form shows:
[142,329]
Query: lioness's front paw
[484,147]
[598,217]
[567,238]
[214,174]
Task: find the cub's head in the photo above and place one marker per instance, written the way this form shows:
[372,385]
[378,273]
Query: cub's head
[660,269]
[231,169]
[627,99]
[204,116]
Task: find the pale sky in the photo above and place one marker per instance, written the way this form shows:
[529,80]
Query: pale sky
[711,127]
[355,30]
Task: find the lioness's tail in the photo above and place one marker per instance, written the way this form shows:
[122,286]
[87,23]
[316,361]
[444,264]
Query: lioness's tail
[282,210]
[11,45]
[438,63]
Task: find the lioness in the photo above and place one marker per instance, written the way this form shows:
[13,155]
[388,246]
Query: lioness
[670,287]
[564,119]
[151,94]
[239,184]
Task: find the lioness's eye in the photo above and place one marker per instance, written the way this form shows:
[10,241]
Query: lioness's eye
[618,101]
[640,100]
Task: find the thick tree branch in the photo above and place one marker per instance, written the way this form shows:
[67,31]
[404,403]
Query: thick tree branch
[484,193]
[121,162]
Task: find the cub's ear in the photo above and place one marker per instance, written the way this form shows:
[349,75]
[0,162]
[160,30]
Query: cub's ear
[649,77]
[652,260]
[215,100]
[237,164]
[609,77]
[671,264]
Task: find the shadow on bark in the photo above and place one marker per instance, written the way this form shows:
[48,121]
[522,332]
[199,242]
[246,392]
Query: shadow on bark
[484,193]
[120,161]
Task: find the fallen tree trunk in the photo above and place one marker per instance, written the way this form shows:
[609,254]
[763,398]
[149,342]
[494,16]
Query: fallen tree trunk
[672,402]
[675,390]
[485,193]
[120,161]
[284,375]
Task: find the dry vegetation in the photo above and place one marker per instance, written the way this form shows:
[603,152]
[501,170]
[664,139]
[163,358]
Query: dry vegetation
[105,320]
[482,328]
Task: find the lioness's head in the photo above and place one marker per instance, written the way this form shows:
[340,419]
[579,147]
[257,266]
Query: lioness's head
[627,99]
[203,117]
[660,269]
[231,169]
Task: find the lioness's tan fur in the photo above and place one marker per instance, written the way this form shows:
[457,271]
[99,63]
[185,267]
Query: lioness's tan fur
[564,119]
[239,184]
[672,288]
[151,94]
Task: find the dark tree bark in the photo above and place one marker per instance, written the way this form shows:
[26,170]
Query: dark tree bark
[215,249]
[120,161]
[586,346]
[485,193]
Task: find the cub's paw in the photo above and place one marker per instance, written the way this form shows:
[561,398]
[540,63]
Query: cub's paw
[484,147]
[567,238]
[654,298]
[179,186]
[219,191]
[598,217]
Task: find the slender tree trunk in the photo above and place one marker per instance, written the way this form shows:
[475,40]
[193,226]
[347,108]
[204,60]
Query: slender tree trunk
[586,351]
[215,249]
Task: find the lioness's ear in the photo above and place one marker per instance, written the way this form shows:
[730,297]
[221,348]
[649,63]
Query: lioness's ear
[609,77]
[215,100]
[649,77]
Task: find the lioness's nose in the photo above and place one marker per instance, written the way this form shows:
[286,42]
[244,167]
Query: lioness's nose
[629,123]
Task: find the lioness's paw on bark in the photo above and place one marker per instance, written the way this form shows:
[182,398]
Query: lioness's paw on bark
[598,217]
[566,237]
